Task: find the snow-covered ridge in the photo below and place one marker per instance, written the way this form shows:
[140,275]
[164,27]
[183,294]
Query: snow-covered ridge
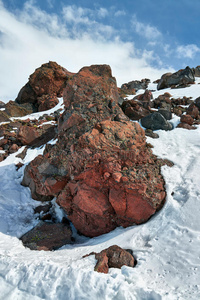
[166,247]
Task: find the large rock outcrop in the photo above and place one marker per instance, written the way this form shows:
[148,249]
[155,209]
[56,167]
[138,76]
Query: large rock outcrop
[44,86]
[180,78]
[101,170]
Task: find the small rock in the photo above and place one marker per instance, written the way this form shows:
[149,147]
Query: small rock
[150,133]
[156,121]
[47,236]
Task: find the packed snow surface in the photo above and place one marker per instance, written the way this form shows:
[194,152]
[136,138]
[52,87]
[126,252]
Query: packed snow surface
[166,247]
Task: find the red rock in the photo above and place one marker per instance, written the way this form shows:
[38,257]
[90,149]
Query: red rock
[96,158]
[186,126]
[112,257]
[3,142]
[13,148]
[193,111]
[187,119]
[44,86]
[35,136]
[46,102]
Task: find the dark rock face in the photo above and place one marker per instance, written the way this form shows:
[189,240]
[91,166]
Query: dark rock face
[113,257]
[180,78]
[44,86]
[197,71]
[47,236]
[165,113]
[101,170]
[135,85]
[156,121]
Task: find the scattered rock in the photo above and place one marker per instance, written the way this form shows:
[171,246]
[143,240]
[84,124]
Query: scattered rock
[134,109]
[186,126]
[112,257]
[47,236]
[165,113]
[133,86]
[156,121]
[197,71]
[180,78]
[193,111]
[150,133]
[187,119]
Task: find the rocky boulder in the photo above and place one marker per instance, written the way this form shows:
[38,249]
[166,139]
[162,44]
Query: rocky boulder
[197,71]
[180,78]
[47,82]
[13,109]
[35,135]
[156,121]
[47,236]
[113,257]
[101,170]
[133,86]
[134,109]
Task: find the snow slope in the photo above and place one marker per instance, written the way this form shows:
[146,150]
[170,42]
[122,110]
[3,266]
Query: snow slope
[166,247]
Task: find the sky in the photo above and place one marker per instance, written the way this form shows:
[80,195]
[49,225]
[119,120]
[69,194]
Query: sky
[138,39]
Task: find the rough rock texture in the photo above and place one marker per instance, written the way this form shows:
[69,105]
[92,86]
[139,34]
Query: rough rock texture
[113,257]
[187,119]
[180,78]
[134,86]
[197,71]
[134,109]
[193,111]
[36,136]
[156,121]
[44,86]
[101,170]
[47,236]
[4,117]
[13,109]
[186,126]
[2,104]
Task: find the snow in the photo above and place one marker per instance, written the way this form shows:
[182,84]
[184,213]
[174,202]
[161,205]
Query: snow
[40,114]
[166,247]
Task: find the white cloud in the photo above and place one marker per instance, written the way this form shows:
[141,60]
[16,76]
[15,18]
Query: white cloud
[187,51]
[145,30]
[119,13]
[34,37]
[103,12]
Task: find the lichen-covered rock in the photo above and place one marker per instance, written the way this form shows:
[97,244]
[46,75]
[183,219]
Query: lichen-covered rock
[101,170]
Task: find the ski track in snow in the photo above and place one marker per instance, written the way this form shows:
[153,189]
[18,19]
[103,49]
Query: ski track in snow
[166,247]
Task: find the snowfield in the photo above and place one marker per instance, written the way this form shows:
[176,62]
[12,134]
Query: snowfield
[166,247]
